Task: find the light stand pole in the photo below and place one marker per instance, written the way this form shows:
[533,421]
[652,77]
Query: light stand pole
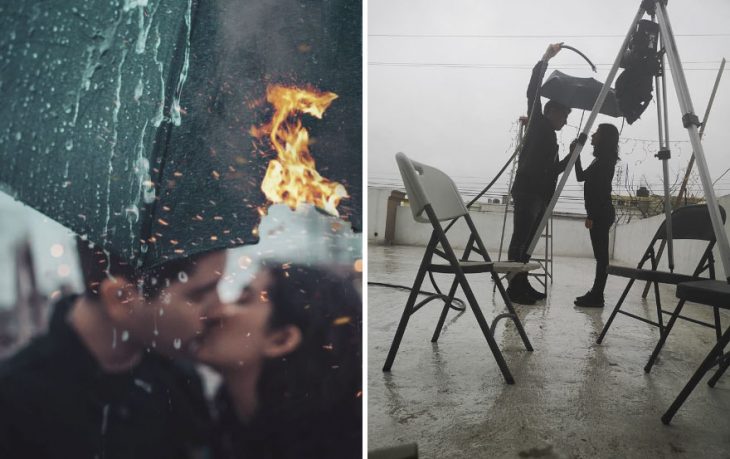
[664,153]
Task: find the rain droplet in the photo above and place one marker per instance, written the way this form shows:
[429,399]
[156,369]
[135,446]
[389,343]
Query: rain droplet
[125,336]
[69,145]
[132,213]
[148,192]
[162,312]
[182,276]
[177,343]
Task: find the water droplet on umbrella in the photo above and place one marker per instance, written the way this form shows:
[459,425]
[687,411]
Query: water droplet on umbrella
[132,213]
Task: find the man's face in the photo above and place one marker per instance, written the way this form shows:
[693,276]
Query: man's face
[558,118]
[172,322]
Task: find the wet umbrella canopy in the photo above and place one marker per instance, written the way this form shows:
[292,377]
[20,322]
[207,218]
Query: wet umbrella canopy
[131,123]
[580,93]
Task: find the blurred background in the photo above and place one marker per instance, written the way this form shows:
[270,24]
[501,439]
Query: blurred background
[38,262]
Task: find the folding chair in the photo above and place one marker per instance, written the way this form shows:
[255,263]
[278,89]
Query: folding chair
[434,198]
[716,294]
[688,223]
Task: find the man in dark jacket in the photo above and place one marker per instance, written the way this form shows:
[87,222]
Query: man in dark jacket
[98,383]
[537,174]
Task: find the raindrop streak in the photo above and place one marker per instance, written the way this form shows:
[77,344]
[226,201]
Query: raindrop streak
[145,386]
[177,343]
[104,417]
[114,338]
[175,106]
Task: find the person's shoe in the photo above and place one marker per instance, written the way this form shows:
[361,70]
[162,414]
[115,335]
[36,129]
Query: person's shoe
[536,294]
[589,300]
[520,296]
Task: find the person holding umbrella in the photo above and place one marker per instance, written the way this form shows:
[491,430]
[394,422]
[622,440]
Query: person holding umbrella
[290,354]
[599,208]
[100,382]
[537,174]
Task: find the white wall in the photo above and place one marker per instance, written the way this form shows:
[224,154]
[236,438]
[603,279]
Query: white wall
[377,211]
[570,236]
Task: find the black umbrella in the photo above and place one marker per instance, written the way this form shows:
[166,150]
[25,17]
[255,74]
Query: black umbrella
[580,93]
[132,126]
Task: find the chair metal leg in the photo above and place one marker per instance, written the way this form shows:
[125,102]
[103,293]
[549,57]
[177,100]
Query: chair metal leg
[511,309]
[663,336]
[445,311]
[724,363]
[658,300]
[697,376]
[408,310]
[485,328]
[615,311]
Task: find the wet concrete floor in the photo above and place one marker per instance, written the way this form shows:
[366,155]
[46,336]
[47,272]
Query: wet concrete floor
[572,398]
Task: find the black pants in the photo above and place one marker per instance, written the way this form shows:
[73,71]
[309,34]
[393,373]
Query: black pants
[599,241]
[529,209]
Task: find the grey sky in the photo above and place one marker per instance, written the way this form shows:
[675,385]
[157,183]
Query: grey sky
[447,81]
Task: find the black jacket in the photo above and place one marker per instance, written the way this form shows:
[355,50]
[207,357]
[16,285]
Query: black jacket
[296,433]
[56,402]
[538,167]
[597,190]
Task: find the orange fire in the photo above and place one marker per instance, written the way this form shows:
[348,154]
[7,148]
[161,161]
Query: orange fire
[292,178]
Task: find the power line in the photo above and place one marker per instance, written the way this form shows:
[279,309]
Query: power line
[503,36]
[504,66]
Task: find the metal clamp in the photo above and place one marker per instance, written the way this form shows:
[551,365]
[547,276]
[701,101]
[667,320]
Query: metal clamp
[690,119]
[664,154]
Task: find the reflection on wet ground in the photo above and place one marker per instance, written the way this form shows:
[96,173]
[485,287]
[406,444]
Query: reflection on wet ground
[572,397]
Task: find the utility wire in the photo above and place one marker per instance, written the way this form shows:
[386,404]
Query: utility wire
[393,35]
[499,66]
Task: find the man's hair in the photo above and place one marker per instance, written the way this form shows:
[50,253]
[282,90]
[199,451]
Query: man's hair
[98,264]
[552,105]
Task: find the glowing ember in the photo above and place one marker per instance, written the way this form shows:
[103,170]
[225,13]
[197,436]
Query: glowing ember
[292,178]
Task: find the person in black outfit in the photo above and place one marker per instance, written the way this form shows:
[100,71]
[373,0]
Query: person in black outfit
[92,387]
[537,175]
[290,354]
[601,214]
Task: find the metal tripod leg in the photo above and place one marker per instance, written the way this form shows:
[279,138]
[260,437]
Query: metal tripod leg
[691,123]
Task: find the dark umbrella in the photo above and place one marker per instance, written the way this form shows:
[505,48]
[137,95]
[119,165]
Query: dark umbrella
[580,93]
[132,126]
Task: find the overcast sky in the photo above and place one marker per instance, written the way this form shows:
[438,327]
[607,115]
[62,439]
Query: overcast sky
[447,82]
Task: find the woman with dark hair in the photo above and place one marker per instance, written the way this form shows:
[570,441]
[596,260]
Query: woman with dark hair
[290,354]
[601,214]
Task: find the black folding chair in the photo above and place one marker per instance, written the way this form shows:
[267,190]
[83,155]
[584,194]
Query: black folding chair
[434,198]
[716,294]
[688,223]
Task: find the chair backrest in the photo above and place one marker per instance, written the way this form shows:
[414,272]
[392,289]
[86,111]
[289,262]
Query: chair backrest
[691,222]
[428,185]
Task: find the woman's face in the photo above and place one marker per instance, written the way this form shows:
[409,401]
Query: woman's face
[595,138]
[238,335]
